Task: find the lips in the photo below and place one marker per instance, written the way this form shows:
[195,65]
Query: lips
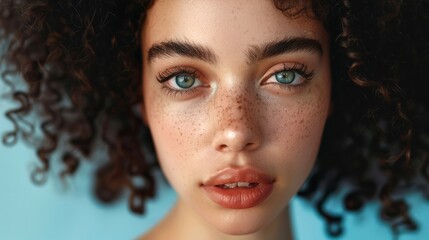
[238,188]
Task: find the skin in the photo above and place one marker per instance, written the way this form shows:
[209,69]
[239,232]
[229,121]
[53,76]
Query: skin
[237,115]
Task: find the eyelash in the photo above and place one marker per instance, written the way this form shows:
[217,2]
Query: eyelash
[172,72]
[301,69]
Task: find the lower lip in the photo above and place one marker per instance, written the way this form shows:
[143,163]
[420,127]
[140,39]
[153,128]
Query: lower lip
[239,198]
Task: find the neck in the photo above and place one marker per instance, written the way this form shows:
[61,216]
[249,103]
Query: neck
[184,223]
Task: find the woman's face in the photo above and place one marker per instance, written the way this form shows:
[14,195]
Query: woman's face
[236,96]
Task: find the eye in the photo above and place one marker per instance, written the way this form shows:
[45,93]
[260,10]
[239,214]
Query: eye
[183,81]
[286,77]
[179,79]
[292,76]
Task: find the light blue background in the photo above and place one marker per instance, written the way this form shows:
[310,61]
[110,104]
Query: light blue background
[53,212]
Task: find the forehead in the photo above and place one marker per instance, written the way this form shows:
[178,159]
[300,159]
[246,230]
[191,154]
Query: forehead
[226,23]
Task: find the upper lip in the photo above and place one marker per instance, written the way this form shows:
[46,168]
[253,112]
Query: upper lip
[233,175]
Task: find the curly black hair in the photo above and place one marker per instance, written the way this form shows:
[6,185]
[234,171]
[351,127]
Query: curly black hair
[81,65]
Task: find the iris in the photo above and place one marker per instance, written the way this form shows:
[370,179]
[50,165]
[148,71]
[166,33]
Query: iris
[285,77]
[185,81]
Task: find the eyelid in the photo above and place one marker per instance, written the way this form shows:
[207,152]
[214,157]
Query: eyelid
[299,68]
[168,73]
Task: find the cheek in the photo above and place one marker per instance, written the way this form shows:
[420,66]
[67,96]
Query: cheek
[175,132]
[300,128]
[297,141]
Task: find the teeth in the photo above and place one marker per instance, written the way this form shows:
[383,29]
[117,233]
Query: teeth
[238,184]
[243,184]
[231,185]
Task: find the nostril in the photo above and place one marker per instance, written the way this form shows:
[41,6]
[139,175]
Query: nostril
[226,147]
[249,145]
[222,147]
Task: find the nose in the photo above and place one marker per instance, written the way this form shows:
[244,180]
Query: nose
[236,120]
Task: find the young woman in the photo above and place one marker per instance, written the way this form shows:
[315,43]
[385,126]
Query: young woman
[240,100]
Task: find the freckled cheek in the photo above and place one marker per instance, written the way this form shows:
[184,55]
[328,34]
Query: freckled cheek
[176,131]
[172,129]
[300,127]
[298,139]
[173,134]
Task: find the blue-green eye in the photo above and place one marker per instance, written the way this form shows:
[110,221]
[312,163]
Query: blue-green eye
[289,75]
[285,77]
[180,79]
[184,81]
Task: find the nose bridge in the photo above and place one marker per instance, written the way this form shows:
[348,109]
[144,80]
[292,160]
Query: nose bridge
[236,119]
[235,108]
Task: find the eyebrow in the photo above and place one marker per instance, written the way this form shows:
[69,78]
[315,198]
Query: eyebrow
[286,45]
[181,48]
[255,52]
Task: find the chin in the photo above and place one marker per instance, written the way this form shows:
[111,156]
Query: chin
[241,229]
[239,225]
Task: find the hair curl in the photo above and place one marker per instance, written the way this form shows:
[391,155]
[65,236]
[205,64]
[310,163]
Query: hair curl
[81,63]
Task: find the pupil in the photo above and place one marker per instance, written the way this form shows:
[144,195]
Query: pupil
[185,81]
[285,77]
